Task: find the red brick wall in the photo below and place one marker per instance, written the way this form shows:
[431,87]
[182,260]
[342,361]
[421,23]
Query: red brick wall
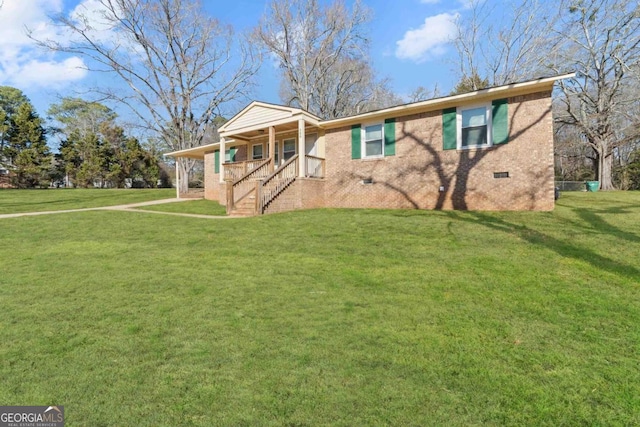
[312,193]
[211,179]
[213,188]
[303,193]
[413,177]
[241,153]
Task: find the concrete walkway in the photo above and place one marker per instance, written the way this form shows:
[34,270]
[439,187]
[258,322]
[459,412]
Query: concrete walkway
[130,207]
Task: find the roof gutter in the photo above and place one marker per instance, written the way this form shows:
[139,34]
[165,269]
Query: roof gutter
[513,89]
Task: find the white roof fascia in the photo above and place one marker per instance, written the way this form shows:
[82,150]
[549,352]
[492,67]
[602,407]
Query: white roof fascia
[433,104]
[196,151]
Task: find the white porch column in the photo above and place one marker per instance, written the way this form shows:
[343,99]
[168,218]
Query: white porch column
[177,179]
[272,148]
[221,158]
[301,149]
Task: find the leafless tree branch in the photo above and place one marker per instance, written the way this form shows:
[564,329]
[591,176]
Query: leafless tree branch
[179,64]
[322,52]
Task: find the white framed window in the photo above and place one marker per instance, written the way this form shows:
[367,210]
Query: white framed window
[277,153]
[229,155]
[288,149]
[474,126]
[256,152]
[373,140]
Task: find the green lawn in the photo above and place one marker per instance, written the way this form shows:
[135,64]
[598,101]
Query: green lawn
[200,207]
[14,201]
[327,317]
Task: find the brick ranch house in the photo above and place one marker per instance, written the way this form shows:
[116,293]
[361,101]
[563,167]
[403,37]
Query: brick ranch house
[486,150]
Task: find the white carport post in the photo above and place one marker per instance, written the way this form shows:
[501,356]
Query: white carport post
[301,149]
[221,157]
[177,179]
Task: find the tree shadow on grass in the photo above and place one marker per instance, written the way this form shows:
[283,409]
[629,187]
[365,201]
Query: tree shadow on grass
[561,247]
[593,218]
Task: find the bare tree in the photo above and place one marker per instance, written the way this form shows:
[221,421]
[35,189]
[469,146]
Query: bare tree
[503,54]
[600,39]
[322,52]
[422,93]
[573,160]
[349,88]
[179,64]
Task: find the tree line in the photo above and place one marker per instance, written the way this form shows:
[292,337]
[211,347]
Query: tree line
[93,150]
[182,67]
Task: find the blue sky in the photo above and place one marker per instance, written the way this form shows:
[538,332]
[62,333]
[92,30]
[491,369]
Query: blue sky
[408,46]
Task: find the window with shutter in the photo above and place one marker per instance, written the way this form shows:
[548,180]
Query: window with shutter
[372,141]
[230,155]
[475,126]
[390,137]
[449,119]
[355,142]
[500,121]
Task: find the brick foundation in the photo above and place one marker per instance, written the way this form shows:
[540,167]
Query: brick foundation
[303,193]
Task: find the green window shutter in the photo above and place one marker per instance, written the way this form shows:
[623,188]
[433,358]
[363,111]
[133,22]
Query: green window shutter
[216,161]
[355,142]
[390,137]
[499,125]
[449,129]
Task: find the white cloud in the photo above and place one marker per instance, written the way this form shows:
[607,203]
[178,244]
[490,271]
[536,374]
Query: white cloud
[429,1]
[93,16]
[428,41]
[16,14]
[468,4]
[56,73]
[21,62]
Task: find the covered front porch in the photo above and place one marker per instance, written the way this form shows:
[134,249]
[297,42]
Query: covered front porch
[266,148]
[263,132]
[264,151]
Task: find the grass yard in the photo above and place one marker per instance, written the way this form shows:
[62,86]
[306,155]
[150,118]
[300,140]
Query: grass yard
[57,199]
[327,317]
[200,207]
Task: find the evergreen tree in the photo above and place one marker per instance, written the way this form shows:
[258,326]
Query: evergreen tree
[470,84]
[96,151]
[90,151]
[27,149]
[68,158]
[10,99]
